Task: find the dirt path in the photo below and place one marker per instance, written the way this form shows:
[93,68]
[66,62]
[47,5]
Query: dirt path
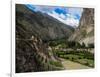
[68,65]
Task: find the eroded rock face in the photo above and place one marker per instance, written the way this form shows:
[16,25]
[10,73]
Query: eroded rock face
[87,18]
[85,31]
[31,55]
[31,49]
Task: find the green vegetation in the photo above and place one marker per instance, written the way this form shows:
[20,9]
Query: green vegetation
[73,51]
[56,63]
[57,42]
[62,43]
[79,57]
[91,45]
[86,62]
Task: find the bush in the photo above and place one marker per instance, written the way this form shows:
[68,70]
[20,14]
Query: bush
[84,57]
[72,59]
[71,44]
[91,45]
[56,63]
[52,44]
[61,56]
[60,53]
[83,45]
[87,64]
[67,57]
[79,57]
[78,45]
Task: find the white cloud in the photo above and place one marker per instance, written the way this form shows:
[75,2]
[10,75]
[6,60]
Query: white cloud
[44,9]
[62,16]
[69,20]
[75,10]
[70,15]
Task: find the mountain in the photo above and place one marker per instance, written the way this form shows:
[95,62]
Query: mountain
[33,31]
[41,24]
[85,31]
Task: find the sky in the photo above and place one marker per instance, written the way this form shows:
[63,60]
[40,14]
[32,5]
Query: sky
[67,15]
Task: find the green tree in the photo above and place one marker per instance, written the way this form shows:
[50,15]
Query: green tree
[91,45]
[83,45]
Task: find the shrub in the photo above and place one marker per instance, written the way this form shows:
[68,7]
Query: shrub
[84,57]
[67,57]
[72,59]
[79,57]
[83,45]
[91,45]
[56,63]
[87,64]
[61,56]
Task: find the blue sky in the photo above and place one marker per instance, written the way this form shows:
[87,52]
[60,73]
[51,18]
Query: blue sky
[67,15]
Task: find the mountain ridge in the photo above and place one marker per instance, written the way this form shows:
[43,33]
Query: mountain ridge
[43,24]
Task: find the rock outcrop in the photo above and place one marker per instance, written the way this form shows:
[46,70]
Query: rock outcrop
[85,31]
[32,54]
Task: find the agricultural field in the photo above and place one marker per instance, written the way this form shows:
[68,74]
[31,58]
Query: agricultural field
[78,56]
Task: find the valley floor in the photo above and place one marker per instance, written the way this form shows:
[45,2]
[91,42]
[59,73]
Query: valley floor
[69,65]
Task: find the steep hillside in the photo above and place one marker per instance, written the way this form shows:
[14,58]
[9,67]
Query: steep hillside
[33,29]
[32,55]
[85,31]
[41,24]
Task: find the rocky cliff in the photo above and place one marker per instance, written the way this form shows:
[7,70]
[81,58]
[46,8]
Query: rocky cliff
[85,31]
[32,55]
[32,32]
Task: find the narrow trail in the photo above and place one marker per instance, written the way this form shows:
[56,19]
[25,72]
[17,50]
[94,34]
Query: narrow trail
[69,65]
